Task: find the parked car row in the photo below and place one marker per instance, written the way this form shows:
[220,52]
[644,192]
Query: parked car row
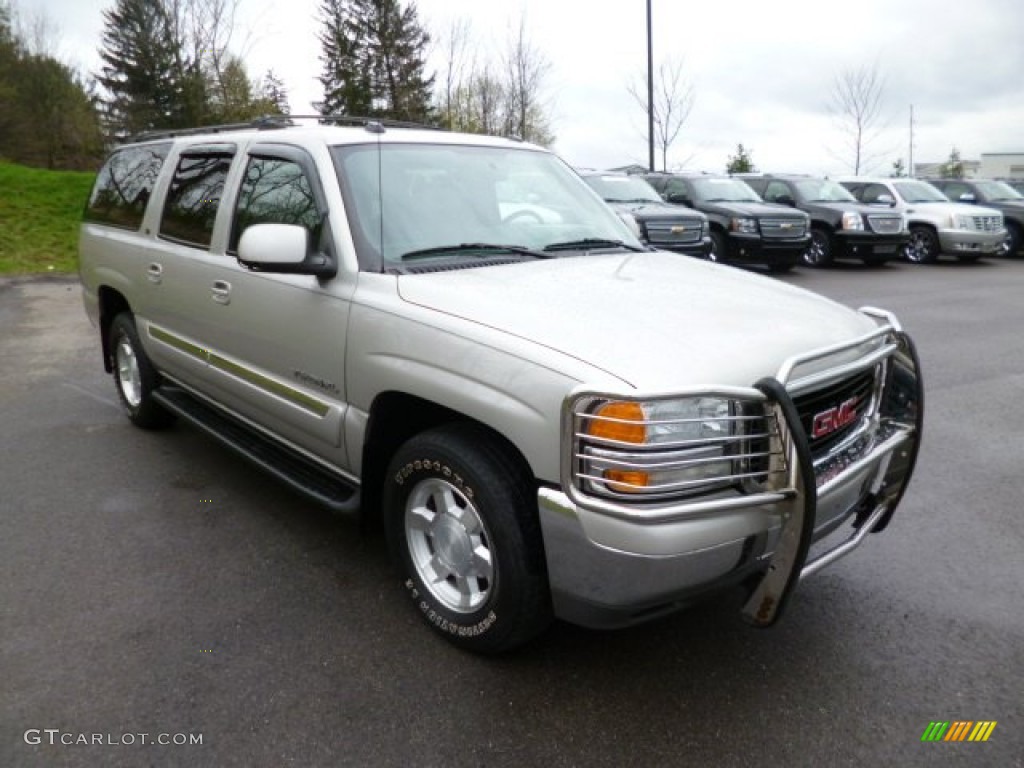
[781,220]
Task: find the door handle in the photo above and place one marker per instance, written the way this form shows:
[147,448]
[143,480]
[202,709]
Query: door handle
[155,273]
[221,291]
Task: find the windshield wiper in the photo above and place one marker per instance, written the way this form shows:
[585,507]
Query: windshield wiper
[481,250]
[591,242]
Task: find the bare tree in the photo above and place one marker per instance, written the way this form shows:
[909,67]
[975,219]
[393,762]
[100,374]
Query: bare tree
[856,107]
[526,68]
[456,50]
[673,102]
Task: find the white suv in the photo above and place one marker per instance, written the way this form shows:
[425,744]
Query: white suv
[937,225]
[547,417]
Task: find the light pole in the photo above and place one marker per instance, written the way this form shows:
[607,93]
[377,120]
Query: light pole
[650,93]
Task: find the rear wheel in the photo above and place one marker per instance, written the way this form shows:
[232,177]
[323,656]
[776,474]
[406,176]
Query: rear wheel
[923,247]
[461,520]
[134,376]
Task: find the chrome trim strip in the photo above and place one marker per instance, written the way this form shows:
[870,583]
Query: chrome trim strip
[267,384]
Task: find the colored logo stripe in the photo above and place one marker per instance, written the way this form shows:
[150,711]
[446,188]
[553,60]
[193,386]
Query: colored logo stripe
[958,730]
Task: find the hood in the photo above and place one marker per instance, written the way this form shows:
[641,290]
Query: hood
[661,211]
[758,209]
[941,207]
[842,206]
[655,320]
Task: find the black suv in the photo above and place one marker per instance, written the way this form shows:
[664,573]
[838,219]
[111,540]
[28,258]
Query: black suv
[991,194]
[743,227]
[664,226]
[841,227]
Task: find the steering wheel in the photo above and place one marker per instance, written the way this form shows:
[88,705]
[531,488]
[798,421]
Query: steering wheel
[522,217]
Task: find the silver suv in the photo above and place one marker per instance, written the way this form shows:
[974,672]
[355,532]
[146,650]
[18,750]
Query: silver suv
[455,335]
[937,225]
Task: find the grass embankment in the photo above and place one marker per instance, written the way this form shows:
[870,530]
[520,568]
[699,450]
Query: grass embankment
[39,215]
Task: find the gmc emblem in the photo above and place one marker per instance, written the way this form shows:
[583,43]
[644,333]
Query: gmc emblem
[827,422]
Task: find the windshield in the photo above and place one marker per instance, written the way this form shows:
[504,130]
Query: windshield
[428,200]
[623,189]
[823,191]
[724,191]
[997,191]
[919,192]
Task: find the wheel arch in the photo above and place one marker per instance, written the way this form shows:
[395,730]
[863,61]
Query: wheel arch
[394,418]
[111,303]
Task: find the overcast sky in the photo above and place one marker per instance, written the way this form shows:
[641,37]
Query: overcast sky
[762,72]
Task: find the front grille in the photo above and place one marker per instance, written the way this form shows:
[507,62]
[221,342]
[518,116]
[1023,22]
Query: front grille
[778,229]
[885,225]
[988,223]
[675,231]
[829,415]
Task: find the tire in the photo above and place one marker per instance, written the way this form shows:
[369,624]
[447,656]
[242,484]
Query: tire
[1014,239]
[819,252]
[461,520]
[718,247]
[923,247]
[134,376]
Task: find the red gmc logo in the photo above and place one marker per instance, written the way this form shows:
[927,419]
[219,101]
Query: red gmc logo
[827,422]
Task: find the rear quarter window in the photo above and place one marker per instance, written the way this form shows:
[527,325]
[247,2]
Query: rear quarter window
[124,185]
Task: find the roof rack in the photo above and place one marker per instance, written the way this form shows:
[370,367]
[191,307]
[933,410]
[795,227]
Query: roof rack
[275,122]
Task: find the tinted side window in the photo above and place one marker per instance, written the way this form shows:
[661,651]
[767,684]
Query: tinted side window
[954,189]
[275,191]
[194,197]
[776,190]
[677,187]
[872,192]
[124,186]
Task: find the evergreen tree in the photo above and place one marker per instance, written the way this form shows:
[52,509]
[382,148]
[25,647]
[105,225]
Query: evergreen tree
[346,75]
[274,95]
[741,162]
[140,69]
[374,56]
[399,47]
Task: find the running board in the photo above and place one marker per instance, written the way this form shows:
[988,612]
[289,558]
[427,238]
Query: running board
[303,475]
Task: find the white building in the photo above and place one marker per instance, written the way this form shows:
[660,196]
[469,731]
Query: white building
[1002,165]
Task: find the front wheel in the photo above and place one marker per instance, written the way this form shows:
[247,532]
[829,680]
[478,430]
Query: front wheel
[718,247]
[923,247]
[1014,239]
[461,521]
[134,376]
[819,252]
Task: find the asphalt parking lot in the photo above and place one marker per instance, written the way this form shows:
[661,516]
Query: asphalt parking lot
[156,584]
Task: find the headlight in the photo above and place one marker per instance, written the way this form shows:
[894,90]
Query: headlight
[961,221]
[745,226]
[662,449]
[853,220]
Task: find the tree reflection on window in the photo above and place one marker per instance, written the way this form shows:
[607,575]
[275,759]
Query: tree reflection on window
[275,191]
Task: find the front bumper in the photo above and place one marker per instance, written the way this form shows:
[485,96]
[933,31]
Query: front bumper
[773,252]
[962,241]
[609,569]
[869,245]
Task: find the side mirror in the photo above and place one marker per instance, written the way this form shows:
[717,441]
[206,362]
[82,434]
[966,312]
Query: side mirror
[968,197]
[679,198]
[884,199]
[785,200]
[282,248]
